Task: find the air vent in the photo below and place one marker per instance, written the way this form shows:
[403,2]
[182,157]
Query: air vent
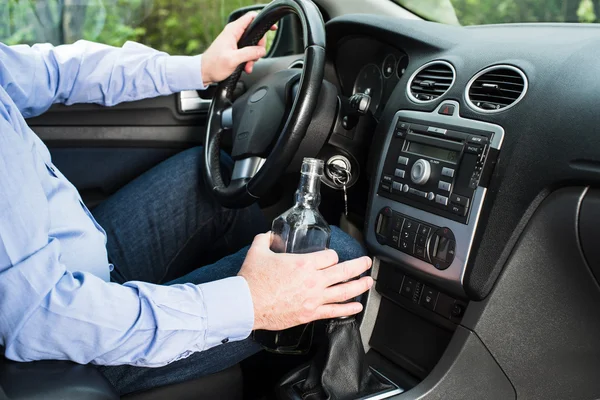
[430,81]
[496,88]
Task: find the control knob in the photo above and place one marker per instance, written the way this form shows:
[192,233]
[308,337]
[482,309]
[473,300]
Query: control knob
[420,172]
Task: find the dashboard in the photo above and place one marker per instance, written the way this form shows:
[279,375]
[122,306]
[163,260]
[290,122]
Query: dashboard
[368,66]
[482,162]
[510,117]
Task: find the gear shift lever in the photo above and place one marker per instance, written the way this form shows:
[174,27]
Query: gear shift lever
[339,371]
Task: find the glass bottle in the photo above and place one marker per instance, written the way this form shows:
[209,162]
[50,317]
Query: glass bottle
[301,229]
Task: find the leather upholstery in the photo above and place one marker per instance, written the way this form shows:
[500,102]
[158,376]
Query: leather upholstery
[68,380]
[53,380]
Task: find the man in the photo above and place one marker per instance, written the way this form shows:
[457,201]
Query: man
[122,288]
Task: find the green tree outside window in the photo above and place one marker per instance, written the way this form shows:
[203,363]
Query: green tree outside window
[173,26]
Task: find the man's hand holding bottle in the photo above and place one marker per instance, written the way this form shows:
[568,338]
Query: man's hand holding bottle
[293,289]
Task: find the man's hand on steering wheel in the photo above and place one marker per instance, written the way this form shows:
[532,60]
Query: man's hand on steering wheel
[223,56]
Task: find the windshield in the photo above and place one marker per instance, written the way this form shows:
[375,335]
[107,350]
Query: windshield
[479,12]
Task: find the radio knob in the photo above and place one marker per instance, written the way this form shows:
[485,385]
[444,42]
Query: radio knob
[420,172]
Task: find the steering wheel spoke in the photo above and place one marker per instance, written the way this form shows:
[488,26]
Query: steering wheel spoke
[246,168]
[227,118]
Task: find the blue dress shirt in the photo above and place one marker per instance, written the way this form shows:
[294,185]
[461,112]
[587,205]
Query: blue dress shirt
[56,301]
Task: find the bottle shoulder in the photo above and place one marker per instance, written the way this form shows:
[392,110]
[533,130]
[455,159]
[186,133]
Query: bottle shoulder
[296,216]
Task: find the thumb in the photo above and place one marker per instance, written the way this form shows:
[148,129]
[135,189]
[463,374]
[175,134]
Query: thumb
[249,53]
[262,240]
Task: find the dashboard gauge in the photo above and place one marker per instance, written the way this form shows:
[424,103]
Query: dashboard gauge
[402,65]
[369,81]
[389,65]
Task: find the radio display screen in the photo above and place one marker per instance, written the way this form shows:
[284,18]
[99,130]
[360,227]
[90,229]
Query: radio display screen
[435,152]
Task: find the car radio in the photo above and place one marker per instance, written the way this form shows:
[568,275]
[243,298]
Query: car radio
[429,190]
[434,168]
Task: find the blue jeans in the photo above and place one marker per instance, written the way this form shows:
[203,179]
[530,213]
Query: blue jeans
[165,228]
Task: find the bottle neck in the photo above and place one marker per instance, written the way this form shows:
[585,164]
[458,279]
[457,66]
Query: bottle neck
[308,194]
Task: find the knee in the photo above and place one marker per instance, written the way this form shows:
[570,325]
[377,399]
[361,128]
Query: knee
[193,159]
[345,245]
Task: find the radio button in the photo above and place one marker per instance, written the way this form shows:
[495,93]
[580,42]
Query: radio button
[396,186]
[460,200]
[458,210]
[420,172]
[430,196]
[478,139]
[410,225]
[403,160]
[387,179]
[443,200]
[405,188]
[399,173]
[444,186]
[449,172]
[471,148]
[424,230]
[402,126]
[385,187]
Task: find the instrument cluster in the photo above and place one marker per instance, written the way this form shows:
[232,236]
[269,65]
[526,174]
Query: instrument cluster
[370,67]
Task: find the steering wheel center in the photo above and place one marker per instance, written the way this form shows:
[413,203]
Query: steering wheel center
[258,115]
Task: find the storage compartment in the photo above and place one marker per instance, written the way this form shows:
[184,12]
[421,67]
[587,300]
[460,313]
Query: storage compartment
[415,321]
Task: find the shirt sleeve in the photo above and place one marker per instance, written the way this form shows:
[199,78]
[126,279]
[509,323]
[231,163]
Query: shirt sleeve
[37,76]
[47,312]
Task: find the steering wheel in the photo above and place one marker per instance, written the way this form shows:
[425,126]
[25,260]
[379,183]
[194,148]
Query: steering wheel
[279,106]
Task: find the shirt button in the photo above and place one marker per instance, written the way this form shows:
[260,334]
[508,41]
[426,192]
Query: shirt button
[225,340]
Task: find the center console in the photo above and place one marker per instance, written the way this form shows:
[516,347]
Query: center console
[430,187]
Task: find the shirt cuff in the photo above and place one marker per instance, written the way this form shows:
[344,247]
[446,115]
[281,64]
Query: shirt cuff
[229,310]
[184,73]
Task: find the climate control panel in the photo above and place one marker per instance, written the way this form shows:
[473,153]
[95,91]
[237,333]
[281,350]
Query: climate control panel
[432,244]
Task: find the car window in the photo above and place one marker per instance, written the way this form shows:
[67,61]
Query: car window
[174,26]
[479,12]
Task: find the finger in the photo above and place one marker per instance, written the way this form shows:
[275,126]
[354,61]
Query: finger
[245,20]
[249,53]
[322,259]
[263,42]
[346,270]
[317,260]
[239,26]
[329,311]
[348,290]
[249,67]
[274,28]
[262,240]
